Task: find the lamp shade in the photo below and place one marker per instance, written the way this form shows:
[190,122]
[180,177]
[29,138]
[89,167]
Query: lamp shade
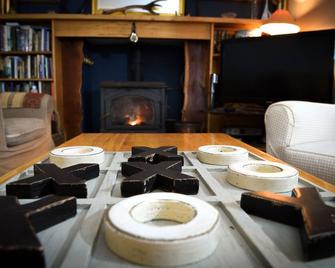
[280,22]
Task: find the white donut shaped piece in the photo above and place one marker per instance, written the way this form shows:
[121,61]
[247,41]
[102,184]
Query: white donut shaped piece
[263,176]
[222,154]
[192,237]
[68,156]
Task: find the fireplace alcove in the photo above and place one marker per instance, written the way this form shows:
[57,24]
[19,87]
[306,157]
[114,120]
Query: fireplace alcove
[120,68]
[195,33]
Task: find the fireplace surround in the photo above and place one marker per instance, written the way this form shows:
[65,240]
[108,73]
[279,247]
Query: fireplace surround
[70,31]
[132,106]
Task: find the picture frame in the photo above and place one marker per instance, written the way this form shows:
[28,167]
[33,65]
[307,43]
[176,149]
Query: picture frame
[168,7]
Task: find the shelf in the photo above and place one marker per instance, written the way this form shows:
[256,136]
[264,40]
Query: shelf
[2,53]
[130,17]
[25,79]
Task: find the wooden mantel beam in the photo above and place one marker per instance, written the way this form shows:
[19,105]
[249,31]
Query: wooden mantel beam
[169,27]
[122,29]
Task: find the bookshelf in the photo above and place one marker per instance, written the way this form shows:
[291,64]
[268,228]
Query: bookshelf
[25,57]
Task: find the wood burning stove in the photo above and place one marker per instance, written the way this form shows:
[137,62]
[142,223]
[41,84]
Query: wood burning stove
[133,107]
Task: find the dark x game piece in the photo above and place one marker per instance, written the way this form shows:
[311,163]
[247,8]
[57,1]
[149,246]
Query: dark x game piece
[19,245]
[50,179]
[143,178]
[305,209]
[155,155]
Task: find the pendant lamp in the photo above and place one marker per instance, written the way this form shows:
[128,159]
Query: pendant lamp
[280,22]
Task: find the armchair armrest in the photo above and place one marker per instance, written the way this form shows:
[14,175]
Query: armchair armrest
[288,123]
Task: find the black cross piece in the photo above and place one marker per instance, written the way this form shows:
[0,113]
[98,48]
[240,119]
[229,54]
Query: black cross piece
[19,245]
[50,179]
[155,155]
[143,177]
[305,209]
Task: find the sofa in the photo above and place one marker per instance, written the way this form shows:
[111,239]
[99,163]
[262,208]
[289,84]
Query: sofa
[303,134]
[25,128]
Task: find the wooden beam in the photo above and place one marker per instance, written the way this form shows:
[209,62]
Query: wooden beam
[196,82]
[122,29]
[223,22]
[57,88]
[72,60]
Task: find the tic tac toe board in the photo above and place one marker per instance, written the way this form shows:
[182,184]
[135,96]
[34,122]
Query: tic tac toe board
[245,241]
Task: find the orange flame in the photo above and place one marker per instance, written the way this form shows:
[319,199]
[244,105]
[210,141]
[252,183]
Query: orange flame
[135,121]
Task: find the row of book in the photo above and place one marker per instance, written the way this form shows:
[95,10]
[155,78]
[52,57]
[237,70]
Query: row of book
[219,35]
[16,37]
[30,66]
[36,87]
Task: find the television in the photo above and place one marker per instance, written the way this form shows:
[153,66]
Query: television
[273,68]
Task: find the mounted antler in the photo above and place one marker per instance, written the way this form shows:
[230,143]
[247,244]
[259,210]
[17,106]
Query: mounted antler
[150,7]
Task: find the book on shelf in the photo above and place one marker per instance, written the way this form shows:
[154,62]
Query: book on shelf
[5,7]
[17,37]
[40,87]
[18,67]
[23,67]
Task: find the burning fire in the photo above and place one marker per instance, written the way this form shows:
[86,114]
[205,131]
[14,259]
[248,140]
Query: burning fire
[134,120]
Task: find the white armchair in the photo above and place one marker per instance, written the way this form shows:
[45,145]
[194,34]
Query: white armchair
[303,135]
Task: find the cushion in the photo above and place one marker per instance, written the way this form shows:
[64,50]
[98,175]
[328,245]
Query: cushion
[317,158]
[23,130]
[319,148]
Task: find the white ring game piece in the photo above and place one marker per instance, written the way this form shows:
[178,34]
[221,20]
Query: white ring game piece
[222,154]
[263,176]
[133,233]
[68,156]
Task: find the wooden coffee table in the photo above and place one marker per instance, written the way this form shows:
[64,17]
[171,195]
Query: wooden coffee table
[244,240]
[183,141]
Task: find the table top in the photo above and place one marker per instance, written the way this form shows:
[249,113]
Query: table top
[183,141]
